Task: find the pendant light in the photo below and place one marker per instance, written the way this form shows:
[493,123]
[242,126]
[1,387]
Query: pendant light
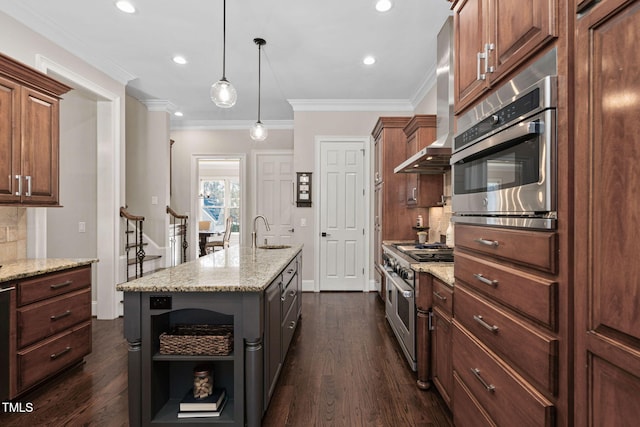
[259,131]
[223,94]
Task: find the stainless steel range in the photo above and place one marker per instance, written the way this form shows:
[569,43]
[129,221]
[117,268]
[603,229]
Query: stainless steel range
[400,307]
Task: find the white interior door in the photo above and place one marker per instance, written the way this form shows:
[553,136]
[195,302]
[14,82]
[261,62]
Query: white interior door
[342,204]
[275,197]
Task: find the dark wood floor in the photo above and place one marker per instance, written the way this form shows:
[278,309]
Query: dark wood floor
[344,368]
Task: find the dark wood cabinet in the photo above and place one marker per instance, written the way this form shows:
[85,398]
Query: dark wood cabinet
[494,37]
[29,136]
[422,190]
[391,219]
[441,351]
[52,318]
[607,202]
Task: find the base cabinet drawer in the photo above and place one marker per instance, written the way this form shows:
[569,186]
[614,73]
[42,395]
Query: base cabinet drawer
[531,352]
[535,249]
[47,318]
[52,285]
[288,328]
[467,412]
[509,399]
[289,293]
[38,362]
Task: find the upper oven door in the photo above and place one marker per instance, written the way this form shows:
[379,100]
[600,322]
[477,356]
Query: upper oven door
[509,173]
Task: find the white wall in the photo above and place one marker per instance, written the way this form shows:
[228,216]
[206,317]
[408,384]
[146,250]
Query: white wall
[148,168]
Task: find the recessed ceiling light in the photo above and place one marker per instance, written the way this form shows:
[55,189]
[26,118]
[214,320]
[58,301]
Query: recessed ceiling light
[383,5]
[179,60]
[125,6]
[369,60]
[178,114]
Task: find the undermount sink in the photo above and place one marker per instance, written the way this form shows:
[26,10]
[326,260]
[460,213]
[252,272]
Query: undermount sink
[274,246]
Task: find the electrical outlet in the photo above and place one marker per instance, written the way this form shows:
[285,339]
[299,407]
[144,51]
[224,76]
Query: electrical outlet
[303,222]
[154,200]
[160,302]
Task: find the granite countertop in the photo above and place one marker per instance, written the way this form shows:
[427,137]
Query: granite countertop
[441,270]
[236,269]
[24,268]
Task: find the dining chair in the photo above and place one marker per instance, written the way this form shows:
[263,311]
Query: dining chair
[211,246]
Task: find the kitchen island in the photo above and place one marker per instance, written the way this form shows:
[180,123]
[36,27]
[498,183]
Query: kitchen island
[255,291]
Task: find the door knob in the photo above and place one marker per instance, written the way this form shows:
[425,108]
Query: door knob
[324,234]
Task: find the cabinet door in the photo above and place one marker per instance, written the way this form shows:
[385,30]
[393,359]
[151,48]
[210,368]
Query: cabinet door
[517,30]
[469,32]
[9,139]
[40,148]
[441,366]
[607,203]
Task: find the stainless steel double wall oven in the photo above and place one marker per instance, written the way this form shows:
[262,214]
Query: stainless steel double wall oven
[503,162]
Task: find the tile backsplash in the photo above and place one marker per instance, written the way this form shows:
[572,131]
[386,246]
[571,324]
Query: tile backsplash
[13,234]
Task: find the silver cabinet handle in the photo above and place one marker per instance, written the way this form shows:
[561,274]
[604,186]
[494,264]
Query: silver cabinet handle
[480,320]
[56,355]
[487,48]
[19,178]
[488,387]
[440,297]
[60,316]
[28,178]
[292,324]
[479,58]
[484,280]
[486,242]
[61,285]
[7,289]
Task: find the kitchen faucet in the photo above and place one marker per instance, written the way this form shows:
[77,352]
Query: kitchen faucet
[254,232]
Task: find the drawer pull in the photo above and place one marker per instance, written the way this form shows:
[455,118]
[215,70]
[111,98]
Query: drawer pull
[479,319]
[61,285]
[486,242]
[289,271]
[489,387]
[292,324]
[484,280]
[440,297]
[63,352]
[292,293]
[60,316]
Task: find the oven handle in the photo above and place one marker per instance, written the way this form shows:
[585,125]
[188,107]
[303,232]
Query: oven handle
[405,290]
[533,126]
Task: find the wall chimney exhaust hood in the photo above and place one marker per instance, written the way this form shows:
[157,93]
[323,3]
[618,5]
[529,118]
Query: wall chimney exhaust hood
[434,159]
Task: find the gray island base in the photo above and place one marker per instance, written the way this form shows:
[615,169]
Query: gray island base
[257,291]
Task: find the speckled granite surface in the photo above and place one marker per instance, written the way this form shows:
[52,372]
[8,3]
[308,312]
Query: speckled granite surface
[24,268]
[237,269]
[441,270]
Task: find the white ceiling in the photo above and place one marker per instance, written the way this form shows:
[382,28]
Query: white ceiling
[313,54]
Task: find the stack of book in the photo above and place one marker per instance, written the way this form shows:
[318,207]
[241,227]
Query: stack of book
[210,406]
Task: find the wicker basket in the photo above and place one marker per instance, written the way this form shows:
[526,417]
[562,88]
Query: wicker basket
[198,340]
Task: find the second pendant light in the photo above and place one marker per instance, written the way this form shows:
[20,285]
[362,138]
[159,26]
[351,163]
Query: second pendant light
[259,131]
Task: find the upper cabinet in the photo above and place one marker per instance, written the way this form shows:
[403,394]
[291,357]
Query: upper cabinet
[486,52]
[29,135]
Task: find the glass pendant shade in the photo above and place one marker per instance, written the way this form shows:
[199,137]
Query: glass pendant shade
[258,131]
[223,94]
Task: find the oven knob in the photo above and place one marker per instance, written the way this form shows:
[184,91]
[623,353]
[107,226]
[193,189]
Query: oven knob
[495,119]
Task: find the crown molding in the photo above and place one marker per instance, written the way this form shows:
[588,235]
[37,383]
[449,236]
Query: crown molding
[159,105]
[179,124]
[351,105]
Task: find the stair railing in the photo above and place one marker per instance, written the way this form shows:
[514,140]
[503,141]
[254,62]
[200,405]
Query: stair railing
[137,244]
[181,232]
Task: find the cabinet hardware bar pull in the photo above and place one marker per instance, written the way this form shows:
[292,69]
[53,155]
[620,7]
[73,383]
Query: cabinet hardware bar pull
[440,297]
[488,387]
[487,48]
[292,293]
[7,289]
[63,352]
[289,271]
[478,75]
[28,178]
[487,242]
[60,316]
[292,324]
[479,319]
[484,280]
[61,285]
[19,192]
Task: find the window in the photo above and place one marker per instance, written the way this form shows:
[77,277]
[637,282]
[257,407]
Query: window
[220,199]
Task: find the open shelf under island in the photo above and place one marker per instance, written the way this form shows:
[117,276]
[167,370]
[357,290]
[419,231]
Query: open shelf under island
[256,291]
